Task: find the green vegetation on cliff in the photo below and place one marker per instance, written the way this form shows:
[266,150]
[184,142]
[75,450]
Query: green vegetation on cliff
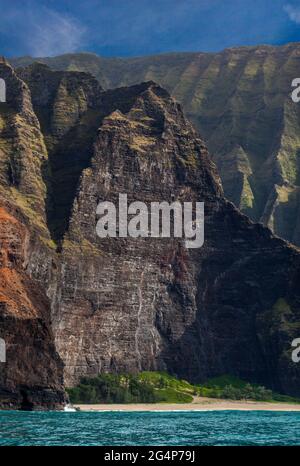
[160,387]
[143,388]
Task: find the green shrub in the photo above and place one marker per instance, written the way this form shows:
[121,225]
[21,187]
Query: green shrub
[151,387]
[110,388]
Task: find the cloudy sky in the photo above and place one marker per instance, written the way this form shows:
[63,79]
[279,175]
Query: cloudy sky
[140,27]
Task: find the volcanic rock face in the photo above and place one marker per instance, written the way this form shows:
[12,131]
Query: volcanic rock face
[125,304]
[240,100]
[32,377]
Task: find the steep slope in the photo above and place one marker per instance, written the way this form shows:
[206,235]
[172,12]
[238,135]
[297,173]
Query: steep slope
[67,105]
[239,99]
[128,304]
[32,377]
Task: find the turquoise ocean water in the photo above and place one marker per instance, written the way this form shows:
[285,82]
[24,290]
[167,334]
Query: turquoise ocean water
[150,428]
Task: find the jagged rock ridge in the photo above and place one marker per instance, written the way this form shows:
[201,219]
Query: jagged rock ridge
[239,99]
[231,306]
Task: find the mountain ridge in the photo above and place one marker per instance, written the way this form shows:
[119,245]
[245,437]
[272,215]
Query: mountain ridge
[239,100]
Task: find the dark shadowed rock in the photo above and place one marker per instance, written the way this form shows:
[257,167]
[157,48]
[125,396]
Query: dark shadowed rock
[32,377]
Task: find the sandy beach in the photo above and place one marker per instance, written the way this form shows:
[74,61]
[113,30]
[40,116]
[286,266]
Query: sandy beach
[200,404]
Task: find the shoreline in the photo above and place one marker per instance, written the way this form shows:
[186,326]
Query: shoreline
[205,405]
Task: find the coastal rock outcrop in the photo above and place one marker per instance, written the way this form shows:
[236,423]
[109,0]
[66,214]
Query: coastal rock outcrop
[32,376]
